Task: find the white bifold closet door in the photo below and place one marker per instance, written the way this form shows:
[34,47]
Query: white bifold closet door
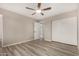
[65,30]
[38,30]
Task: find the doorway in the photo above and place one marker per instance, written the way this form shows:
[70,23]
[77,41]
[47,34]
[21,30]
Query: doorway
[38,31]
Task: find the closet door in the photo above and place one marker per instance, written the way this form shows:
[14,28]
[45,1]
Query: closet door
[65,30]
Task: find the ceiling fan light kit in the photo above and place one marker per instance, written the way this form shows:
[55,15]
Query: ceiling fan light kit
[38,11]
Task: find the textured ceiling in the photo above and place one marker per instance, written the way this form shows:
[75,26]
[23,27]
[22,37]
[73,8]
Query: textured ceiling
[57,8]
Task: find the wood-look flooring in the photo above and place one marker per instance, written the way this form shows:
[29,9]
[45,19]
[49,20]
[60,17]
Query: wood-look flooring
[1,53]
[41,48]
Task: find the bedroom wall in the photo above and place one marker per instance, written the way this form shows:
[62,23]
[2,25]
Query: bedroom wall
[47,26]
[16,28]
[62,29]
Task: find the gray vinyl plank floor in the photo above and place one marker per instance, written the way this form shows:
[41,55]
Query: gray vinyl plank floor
[41,48]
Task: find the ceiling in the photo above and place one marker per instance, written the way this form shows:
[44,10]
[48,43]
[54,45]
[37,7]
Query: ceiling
[57,8]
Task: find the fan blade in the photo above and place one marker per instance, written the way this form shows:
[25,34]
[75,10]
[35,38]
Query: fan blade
[39,5]
[33,13]
[42,13]
[29,8]
[46,9]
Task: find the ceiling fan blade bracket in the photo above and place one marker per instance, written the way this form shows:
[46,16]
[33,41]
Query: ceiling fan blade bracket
[42,13]
[30,8]
[46,9]
[34,13]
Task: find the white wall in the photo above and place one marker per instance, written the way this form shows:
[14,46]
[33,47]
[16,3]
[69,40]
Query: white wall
[65,30]
[47,26]
[62,23]
[16,28]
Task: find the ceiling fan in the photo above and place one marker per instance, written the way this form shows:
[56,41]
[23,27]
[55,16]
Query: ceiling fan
[39,10]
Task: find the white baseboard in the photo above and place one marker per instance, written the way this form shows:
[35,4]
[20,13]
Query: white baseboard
[16,43]
[60,42]
[47,40]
